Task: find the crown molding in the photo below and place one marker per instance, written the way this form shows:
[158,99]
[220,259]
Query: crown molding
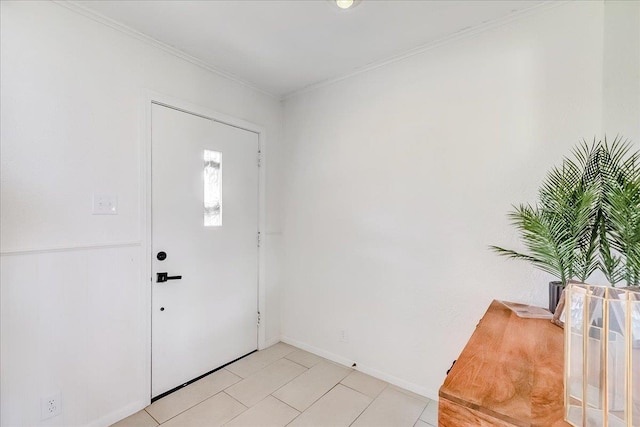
[459,35]
[462,34]
[98,17]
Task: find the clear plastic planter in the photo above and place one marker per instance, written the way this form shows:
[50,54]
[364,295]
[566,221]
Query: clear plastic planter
[602,356]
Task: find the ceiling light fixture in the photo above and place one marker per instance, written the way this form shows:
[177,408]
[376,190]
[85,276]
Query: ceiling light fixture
[344,4]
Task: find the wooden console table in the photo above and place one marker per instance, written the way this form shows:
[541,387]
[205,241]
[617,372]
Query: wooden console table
[509,374]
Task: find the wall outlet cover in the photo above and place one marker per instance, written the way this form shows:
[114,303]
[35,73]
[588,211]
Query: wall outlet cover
[50,406]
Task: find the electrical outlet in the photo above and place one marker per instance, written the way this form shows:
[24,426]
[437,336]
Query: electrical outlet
[50,406]
[344,335]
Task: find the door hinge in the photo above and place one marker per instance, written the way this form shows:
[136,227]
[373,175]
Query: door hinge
[259,158]
[259,319]
[258,239]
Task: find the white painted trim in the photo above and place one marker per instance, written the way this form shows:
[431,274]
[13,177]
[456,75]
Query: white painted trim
[98,17]
[468,32]
[149,98]
[407,385]
[86,247]
[272,341]
[262,228]
[146,272]
[463,34]
[317,351]
[199,110]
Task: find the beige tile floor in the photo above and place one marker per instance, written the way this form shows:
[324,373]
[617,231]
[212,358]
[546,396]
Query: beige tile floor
[285,386]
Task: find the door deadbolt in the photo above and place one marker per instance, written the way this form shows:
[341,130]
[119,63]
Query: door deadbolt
[161,256]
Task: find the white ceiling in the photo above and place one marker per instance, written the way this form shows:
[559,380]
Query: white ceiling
[283,46]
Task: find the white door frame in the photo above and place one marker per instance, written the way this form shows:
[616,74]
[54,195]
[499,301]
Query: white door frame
[150,98]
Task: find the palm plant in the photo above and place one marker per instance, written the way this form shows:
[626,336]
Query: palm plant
[621,225]
[557,232]
[587,217]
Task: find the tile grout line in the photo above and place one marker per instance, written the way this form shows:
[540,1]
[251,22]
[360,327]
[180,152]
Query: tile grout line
[295,418]
[411,394]
[280,400]
[351,370]
[268,364]
[308,367]
[197,404]
[393,388]
[367,407]
[246,408]
[242,379]
[288,382]
[429,401]
[208,397]
[312,403]
[270,394]
[182,412]
[152,417]
[302,366]
[328,391]
[420,417]
[292,379]
[372,398]
[225,389]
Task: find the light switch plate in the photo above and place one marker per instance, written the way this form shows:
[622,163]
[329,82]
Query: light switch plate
[105,204]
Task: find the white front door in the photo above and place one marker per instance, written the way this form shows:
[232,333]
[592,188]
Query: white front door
[204,243]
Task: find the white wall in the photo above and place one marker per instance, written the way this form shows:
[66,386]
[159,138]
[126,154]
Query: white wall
[621,88]
[398,178]
[74,320]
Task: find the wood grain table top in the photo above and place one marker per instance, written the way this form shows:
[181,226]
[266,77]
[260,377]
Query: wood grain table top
[511,370]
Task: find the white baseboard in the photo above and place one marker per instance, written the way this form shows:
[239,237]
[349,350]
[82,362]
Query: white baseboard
[407,385]
[119,414]
[317,351]
[270,342]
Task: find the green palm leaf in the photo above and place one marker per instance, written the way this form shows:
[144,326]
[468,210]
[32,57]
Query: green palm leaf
[587,217]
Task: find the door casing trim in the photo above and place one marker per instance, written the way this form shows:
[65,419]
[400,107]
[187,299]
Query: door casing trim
[149,98]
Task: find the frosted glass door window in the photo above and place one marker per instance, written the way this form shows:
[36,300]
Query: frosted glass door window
[212,188]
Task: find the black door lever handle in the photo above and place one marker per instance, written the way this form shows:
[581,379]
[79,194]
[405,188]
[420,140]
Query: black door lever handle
[163,277]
